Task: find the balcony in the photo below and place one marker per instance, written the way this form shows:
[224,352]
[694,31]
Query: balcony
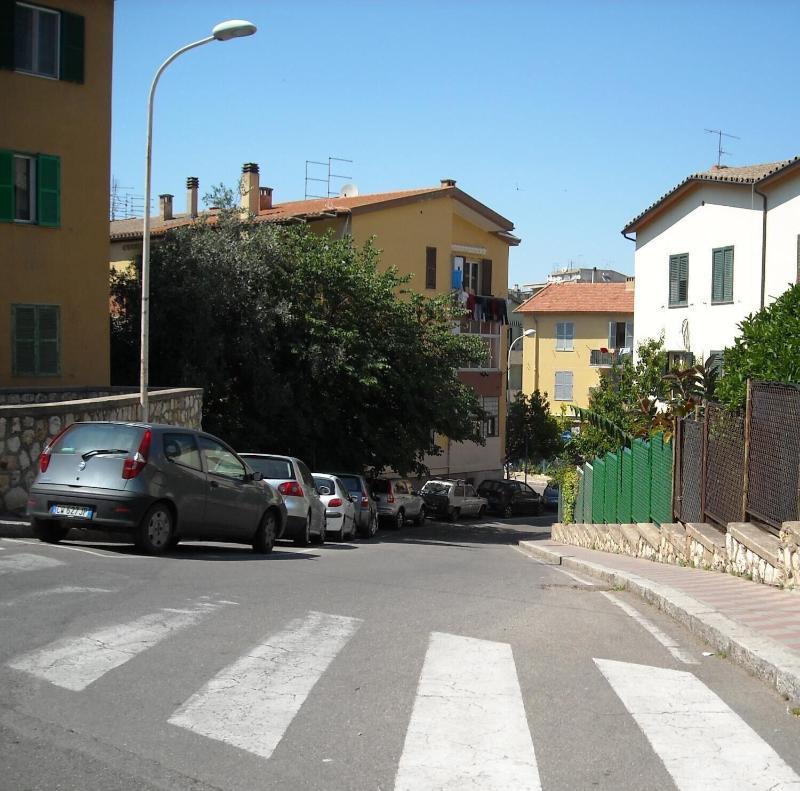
[489,333]
[603,358]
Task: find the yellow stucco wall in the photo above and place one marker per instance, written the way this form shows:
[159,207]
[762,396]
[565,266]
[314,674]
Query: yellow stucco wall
[541,360]
[66,266]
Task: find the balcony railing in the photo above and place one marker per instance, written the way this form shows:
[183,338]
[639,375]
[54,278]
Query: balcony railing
[600,359]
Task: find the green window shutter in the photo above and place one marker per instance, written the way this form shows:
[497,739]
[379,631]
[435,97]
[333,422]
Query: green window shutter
[674,271]
[486,277]
[717,275]
[7,34]
[727,291]
[6,186]
[48,180]
[48,337]
[72,47]
[683,277]
[24,339]
[430,267]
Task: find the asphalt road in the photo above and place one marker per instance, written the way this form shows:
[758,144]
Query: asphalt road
[430,658]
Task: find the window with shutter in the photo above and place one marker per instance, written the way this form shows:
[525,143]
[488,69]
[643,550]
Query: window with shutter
[72,47]
[37,40]
[430,267]
[35,342]
[722,275]
[49,190]
[6,186]
[7,8]
[486,277]
[678,280]
[563,388]
[565,334]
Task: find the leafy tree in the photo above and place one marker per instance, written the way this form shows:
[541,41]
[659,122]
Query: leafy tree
[531,431]
[301,344]
[767,349]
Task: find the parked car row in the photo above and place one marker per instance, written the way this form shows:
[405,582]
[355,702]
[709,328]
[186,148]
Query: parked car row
[163,484]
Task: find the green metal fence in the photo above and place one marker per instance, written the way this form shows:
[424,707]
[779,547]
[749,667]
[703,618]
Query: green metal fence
[632,485]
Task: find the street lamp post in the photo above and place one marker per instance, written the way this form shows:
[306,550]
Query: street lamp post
[526,334]
[224,31]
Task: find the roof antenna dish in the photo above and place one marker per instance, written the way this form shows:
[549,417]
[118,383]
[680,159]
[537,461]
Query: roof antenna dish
[348,190]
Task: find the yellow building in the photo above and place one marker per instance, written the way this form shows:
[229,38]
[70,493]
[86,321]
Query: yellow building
[444,238]
[55,147]
[580,327]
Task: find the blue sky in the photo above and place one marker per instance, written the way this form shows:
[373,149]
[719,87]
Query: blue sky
[568,118]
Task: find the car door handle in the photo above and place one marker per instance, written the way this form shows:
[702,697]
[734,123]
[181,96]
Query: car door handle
[213,485]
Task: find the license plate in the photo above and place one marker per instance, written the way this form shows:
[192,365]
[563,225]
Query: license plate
[79,511]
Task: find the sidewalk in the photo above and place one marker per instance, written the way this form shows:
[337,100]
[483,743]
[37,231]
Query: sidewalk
[757,626]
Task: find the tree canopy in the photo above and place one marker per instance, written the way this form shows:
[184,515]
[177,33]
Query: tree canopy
[301,344]
[531,431]
[767,349]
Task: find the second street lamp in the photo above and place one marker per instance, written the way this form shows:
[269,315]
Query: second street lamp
[224,31]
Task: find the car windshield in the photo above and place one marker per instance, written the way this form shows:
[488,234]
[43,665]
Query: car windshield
[435,487]
[328,483]
[272,469]
[83,438]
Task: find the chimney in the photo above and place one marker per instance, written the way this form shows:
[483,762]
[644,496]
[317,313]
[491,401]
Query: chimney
[192,185]
[165,204]
[630,283]
[249,188]
[448,182]
[264,198]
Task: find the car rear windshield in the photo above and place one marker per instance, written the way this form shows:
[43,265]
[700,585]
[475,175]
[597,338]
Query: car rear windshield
[435,487]
[380,487]
[81,438]
[326,482]
[272,469]
[352,483]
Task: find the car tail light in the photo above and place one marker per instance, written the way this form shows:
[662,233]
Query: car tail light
[390,495]
[44,459]
[364,500]
[133,466]
[291,489]
[336,502]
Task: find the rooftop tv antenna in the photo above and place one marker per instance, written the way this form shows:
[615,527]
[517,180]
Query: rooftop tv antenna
[327,177]
[720,134]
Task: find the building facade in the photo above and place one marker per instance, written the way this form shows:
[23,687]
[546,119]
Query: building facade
[579,329]
[55,147]
[719,246]
[448,242]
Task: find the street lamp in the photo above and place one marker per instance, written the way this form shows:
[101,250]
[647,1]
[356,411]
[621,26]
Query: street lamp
[224,31]
[526,334]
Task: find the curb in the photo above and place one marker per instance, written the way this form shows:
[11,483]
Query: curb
[15,528]
[761,656]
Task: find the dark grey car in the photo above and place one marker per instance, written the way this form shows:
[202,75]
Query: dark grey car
[366,509]
[159,483]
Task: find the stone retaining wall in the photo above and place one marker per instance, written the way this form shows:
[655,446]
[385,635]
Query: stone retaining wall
[26,427]
[744,550]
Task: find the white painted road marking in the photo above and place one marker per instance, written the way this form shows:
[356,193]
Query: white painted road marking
[24,561]
[468,728]
[57,591]
[251,703]
[703,743]
[75,662]
[672,645]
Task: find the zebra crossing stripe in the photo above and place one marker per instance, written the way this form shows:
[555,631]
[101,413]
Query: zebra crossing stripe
[702,742]
[468,727]
[251,703]
[25,561]
[75,662]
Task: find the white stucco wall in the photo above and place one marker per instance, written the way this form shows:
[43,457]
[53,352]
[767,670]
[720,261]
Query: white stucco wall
[708,217]
[783,227]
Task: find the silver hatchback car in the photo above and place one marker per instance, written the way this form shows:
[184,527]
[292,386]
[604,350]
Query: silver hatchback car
[159,483]
[293,480]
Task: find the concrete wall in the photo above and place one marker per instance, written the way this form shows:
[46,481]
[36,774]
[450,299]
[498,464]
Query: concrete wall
[65,266]
[542,359]
[25,429]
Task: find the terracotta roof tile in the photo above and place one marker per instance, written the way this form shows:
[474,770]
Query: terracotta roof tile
[580,298]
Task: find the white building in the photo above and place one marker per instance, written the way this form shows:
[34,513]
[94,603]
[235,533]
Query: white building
[716,248]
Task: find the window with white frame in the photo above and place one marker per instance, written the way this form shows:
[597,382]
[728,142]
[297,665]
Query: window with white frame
[620,335]
[563,388]
[565,335]
[490,426]
[37,40]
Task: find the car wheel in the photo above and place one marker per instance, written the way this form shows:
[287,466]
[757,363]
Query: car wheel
[508,511]
[305,539]
[454,514]
[264,538]
[155,530]
[482,512]
[399,520]
[420,518]
[372,526]
[49,530]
